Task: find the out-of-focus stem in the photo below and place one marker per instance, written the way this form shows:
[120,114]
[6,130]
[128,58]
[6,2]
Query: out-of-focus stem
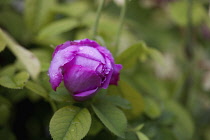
[95,27]
[122,17]
[53,105]
[189,52]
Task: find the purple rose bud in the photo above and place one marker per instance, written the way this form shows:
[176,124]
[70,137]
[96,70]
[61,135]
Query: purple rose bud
[84,66]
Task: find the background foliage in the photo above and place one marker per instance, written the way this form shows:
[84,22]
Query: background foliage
[164,91]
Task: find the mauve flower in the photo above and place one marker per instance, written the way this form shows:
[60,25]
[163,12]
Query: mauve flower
[84,66]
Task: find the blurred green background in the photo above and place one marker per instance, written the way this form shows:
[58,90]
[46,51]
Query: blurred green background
[172,76]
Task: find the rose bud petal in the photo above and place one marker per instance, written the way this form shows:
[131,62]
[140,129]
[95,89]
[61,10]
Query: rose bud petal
[84,66]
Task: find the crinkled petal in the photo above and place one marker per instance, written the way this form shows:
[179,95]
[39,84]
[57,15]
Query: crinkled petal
[107,70]
[86,62]
[106,53]
[91,53]
[61,57]
[85,95]
[78,79]
[115,75]
[62,46]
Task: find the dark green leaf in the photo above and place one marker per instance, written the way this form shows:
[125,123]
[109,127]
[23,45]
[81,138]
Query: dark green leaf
[112,117]
[96,127]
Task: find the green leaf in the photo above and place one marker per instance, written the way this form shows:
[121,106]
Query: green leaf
[15,82]
[71,123]
[130,94]
[152,108]
[129,57]
[178,12]
[28,59]
[36,88]
[141,136]
[139,127]
[71,8]
[112,117]
[8,70]
[21,78]
[38,13]
[156,56]
[57,27]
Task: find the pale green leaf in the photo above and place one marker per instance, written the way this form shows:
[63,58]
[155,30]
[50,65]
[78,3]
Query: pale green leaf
[152,108]
[70,123]
[36,88]
[71,8]
[57,27]
[112,117]
[156,56]
[26,57]
[141,136]
[2,45]
[129,57]
[17,81]
[139,127]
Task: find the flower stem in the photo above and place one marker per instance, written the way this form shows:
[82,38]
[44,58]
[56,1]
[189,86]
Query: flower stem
[95,27]
[122,17]
[53,105]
